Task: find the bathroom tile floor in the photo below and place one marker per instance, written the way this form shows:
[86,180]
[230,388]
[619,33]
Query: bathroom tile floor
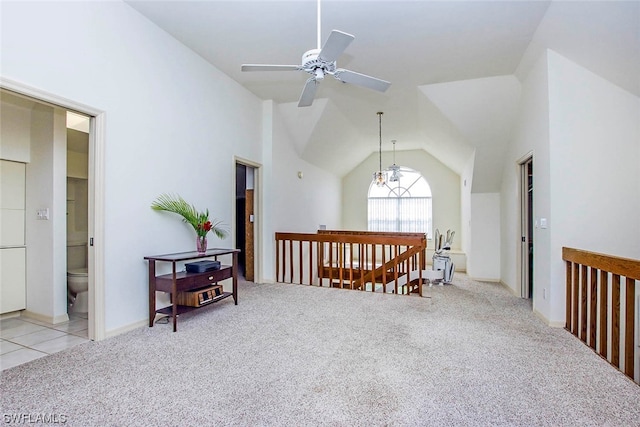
[23,339]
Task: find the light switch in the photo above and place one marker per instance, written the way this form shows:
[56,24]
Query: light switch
[543,222]
[250,218]
[42,214]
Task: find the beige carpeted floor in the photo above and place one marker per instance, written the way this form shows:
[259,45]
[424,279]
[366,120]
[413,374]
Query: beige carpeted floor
[291,355]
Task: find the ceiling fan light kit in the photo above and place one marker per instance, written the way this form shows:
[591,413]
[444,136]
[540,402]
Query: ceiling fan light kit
[321,62]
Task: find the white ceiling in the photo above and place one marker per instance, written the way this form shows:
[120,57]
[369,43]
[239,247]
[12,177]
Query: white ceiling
[451,64]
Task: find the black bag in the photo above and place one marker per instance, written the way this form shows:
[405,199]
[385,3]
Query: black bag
[202,266]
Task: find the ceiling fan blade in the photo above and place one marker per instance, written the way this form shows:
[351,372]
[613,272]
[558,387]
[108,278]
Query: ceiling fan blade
[361,80]
[335,45]
[266,67]
[308,93]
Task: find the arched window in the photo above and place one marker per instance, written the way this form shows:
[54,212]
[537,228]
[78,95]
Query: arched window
[403,205]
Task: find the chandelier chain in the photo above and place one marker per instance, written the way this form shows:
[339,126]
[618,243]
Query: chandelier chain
[380,113]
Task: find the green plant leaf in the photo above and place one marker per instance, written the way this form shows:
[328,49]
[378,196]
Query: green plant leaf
[189,213]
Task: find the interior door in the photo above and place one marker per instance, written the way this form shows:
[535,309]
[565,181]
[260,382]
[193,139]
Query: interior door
[248,240]
[526,228]
[245,219]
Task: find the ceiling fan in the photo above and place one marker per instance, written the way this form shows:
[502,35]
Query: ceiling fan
[322,61]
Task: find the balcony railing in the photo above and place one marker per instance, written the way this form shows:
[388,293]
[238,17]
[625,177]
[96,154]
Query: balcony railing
[601,308]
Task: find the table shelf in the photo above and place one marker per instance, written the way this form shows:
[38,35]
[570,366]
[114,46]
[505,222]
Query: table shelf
[185,281]
[181,309]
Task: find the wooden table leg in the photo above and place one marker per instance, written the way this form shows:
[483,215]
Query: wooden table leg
[174,299]
[235,277]
[152,292]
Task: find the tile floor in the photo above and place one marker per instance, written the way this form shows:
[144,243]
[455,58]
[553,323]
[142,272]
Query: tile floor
[23,339]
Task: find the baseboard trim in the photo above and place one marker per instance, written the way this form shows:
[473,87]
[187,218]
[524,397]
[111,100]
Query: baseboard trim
[53,320]
[550,323]
[126,328]
[509,288]
[10,314]
[557,324]
[480,279]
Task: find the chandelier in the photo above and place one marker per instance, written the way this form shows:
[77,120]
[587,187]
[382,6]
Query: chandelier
[395,169]
[380,176]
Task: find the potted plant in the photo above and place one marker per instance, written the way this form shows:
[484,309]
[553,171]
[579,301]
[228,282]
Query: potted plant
[198,220]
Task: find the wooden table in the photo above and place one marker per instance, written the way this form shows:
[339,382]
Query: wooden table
[184,281]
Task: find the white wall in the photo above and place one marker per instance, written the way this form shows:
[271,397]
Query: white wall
[46,239]
[173,124]
[595,152]
[265,197]
[483,261]
[301,204]
[531,135]
[445,190]
[584,134]
[466,183]
[293,204]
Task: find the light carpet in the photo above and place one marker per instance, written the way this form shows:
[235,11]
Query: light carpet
[290,355]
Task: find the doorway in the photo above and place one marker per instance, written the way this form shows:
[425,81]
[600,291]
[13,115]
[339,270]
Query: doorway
[95,220]
[246,219]
[77,216]
[526,227]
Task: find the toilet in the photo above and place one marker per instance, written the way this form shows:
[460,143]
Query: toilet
[78,290]
[77,278]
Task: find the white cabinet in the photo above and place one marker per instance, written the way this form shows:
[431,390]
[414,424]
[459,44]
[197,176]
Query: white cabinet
[12,203]
[12,236]
[15,128]
[13,295]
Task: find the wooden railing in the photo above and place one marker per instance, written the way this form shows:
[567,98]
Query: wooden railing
[373,261]
[597,312]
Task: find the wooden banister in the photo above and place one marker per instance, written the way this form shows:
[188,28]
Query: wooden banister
[335,252]
[616,265]
[378,272]
[591,278]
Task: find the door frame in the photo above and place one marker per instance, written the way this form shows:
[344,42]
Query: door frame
[96,321]
[524,237]
[257,208]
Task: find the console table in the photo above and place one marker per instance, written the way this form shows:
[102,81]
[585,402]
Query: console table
[185,281]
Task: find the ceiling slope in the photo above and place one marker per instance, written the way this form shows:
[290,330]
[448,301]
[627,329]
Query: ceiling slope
[483,110]
[423,48]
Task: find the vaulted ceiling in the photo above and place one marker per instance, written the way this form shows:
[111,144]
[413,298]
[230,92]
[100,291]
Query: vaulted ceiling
[453,67]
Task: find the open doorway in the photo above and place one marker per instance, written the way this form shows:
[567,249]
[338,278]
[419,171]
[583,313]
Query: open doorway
[246,219]
[78,128]
[526,227]
[50,203]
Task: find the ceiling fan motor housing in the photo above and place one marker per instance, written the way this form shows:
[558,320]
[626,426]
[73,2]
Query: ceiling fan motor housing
[313,64]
